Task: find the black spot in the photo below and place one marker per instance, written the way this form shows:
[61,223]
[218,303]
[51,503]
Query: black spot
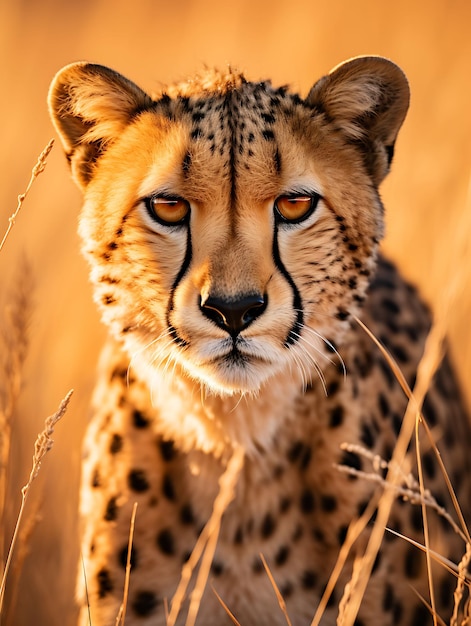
[186,515]
[351,459]
[328,503]
[239,536]
[330,346]
[268,118]
[144,603]
[399,353]
[307,503]
[116,444]
[166,542]
[398,612]
[119,372]
[108,299]
[196,133]
[167,488]
[391,306]
[217,568]
[111,512]
[268,526]
[342,534]
[421,615]
[282,555]
[278,472]
[167,450]
[286,590]
[309,579]
[396,421]
[332,388]
[105,584]
[342,314]
[140,420]
[383,405]
[96,480]
[364,364]
[367,436]
[268,134]
[257,566]
[447,589]
[300,453]
[123,557]
[336,416]
[137,480]
[387,372]
[416,518]
[112,245]
[412,563]
[428,463]
[197,116]
[285,504]
[388,598]
[377,563]
[186,556]
[430,412]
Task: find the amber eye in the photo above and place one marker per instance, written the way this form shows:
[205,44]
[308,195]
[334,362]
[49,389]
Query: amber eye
[170,211]
[296,208]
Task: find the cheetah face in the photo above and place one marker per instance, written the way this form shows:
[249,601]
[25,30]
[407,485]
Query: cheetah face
[231,227]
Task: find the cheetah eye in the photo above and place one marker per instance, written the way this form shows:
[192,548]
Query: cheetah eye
[296,208]
[168,210]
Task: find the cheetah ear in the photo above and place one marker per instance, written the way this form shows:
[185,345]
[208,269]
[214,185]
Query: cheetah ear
[90,105]
[367,98]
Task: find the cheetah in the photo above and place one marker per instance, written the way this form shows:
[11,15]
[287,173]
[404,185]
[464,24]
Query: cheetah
[232,231]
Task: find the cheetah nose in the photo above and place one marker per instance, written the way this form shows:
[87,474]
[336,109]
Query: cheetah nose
[235,314]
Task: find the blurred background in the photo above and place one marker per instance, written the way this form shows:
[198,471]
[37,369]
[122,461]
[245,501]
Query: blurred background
[158,41]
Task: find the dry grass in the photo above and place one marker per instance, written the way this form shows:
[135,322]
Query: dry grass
[205,546]
[290,42]
[14,340]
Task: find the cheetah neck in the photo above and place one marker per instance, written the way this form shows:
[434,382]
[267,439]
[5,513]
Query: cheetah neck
[196,419]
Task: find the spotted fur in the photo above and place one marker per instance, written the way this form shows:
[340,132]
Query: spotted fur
[231,317]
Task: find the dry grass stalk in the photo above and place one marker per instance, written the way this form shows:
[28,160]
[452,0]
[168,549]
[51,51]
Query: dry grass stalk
[354,531]
[230,614]
[279,597]
[14,342]
[426,369]
[37,169]
[206,545]
[120,619]
[458,595]
[42,446]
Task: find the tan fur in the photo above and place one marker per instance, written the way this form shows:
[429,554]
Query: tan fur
[187,377]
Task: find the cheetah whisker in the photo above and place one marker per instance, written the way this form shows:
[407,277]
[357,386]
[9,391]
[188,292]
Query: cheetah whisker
[330,345]
[312,360]
[139,351]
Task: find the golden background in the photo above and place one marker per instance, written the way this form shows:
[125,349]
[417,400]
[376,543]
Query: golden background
[295,42]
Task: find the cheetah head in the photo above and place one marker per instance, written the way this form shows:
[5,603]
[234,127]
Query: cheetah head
[231,227]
